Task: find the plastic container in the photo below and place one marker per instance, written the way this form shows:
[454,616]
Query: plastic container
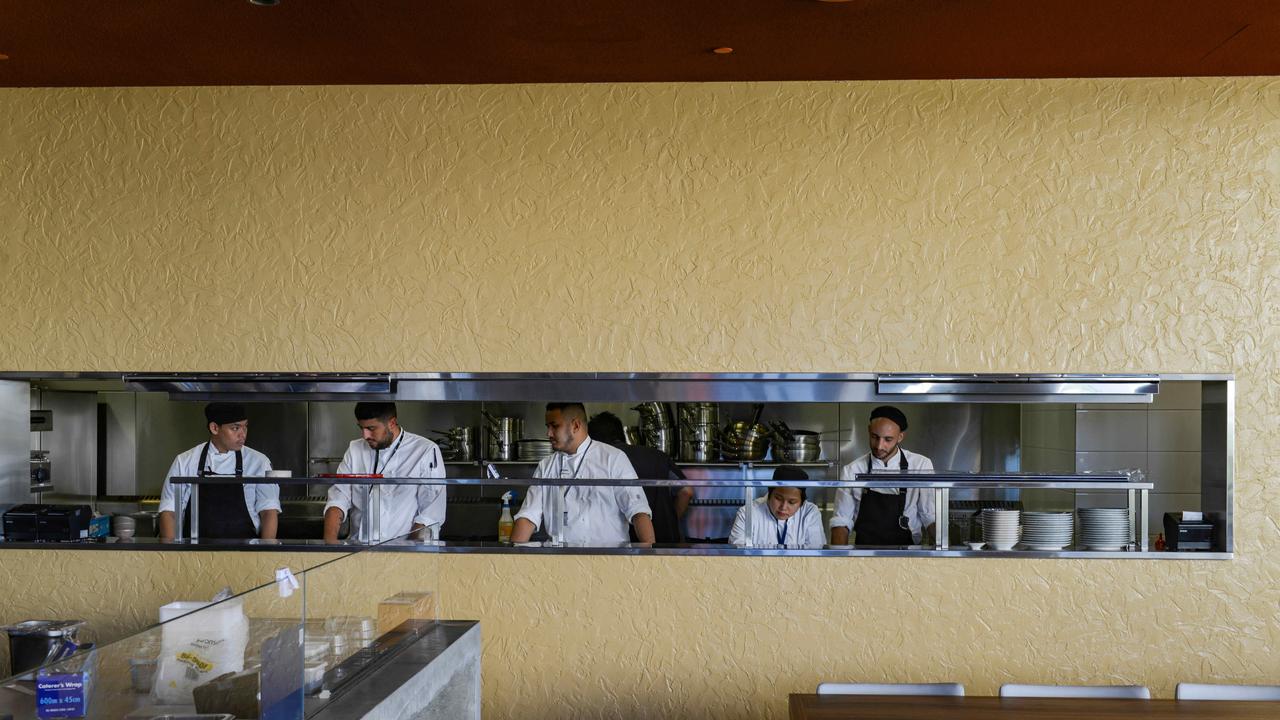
[198,648]
[142,674]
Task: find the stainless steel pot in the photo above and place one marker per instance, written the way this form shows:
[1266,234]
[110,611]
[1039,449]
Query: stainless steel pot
[654,414]
[663,439]
[700,433]
[458,444]
[698,451]
[504,435]
[745,441]
[699,414]
[631,435]
[796,452]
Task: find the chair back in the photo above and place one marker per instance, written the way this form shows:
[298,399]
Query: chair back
[1199,691]
[952,689]
[1135,692]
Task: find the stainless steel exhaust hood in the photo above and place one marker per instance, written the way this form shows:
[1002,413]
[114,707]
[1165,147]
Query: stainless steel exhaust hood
[1020,387]
[263,386]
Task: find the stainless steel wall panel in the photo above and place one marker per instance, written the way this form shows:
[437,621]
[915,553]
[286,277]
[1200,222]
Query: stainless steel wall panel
[73,443]
[15,441]
[165,428]
[120,418]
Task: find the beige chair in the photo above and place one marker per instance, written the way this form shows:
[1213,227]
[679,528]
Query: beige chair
[1135,692]
[953,689]
[1198,691]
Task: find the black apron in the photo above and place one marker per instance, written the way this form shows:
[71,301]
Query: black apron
[223,512]
[881,516]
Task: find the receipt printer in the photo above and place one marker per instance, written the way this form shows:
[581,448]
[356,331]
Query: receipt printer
[1185,534]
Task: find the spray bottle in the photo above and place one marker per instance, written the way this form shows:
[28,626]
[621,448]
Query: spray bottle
[505,523]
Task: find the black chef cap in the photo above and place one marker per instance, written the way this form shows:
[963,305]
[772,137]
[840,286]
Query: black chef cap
[791,472]
[223,413]
[891,413]
[383,411]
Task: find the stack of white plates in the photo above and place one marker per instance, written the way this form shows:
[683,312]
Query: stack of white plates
[1104,528]
[1047,530]
[1000,528]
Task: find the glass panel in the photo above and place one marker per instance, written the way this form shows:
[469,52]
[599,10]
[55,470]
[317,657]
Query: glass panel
[204,657]
[361,611]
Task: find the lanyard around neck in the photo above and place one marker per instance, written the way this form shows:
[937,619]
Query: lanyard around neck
[578,468]
[394,447]
[586,445]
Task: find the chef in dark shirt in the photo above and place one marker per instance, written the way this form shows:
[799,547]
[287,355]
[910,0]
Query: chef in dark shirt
[668,503]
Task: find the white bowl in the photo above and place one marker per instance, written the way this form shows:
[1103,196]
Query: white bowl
[975,545]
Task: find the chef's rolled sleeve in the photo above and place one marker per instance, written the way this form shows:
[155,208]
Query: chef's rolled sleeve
[632,502]
[847,501]
[531,509]
[339,497]
[267,497]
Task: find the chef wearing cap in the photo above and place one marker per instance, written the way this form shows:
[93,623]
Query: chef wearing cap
[226,511]
[884,516]
[384,448]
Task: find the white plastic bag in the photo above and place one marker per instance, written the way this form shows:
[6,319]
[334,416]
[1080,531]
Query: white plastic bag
[197,648]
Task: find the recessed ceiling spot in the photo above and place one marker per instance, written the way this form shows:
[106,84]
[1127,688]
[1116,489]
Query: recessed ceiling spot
[722,50]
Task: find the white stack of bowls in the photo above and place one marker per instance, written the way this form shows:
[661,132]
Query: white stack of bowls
[1000,528]
[1047,530]
[1104,528]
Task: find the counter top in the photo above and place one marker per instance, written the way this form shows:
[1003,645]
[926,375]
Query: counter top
[149,544]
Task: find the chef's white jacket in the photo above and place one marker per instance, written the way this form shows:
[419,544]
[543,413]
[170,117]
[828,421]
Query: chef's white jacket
[174,498]
[400,506]
[919,506]
[803,529]
[597,515]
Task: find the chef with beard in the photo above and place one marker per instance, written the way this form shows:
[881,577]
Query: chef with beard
[384,448]
[591,514]
[884,516]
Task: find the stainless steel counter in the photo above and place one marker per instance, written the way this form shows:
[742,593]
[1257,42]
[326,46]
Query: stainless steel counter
[631,549]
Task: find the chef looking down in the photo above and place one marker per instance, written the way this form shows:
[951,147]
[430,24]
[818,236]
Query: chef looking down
[784,517]
[592,514]
[231,511]
[386,449]
[884,516]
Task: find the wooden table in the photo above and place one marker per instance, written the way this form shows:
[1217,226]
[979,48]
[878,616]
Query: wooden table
[915,707]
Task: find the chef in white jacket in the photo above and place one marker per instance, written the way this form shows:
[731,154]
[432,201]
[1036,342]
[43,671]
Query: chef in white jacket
[590,515]
[782,518]
[884,516]
[387,449]
[228,511]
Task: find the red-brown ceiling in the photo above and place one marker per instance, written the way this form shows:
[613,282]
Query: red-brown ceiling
[232,42]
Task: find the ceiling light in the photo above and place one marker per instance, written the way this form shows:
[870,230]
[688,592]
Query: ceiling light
[264,3]
[722,50]
[3,56]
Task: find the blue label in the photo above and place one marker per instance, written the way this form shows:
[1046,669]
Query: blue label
[61,695]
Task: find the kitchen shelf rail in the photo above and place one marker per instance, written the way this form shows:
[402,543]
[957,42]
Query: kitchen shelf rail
[941,482]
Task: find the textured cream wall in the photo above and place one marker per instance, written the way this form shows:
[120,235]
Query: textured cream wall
[980,226]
